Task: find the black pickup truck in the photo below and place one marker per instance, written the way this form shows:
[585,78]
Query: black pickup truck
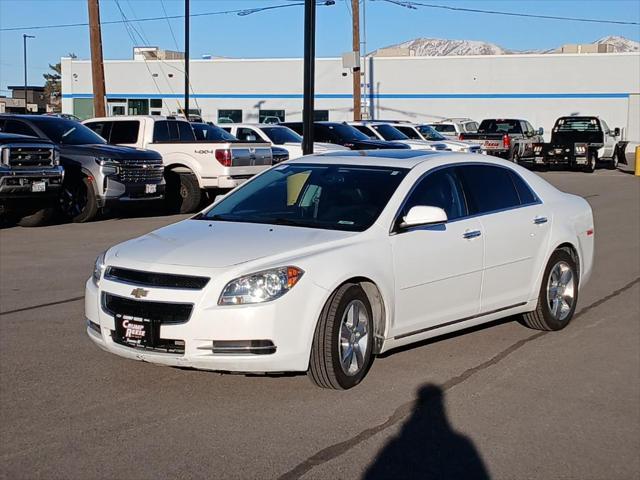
[345,135]
[580,142]
[507,138]
[30,179]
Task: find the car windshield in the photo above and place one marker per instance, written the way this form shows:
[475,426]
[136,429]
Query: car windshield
[204,131]
[332,197]
[280,135]
[500,126]
[577,124]
[430,133]
[68,132]
[389,133]
[345,132]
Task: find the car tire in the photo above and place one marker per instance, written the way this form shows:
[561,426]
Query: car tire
[515,158]
[78,201]
[558,295]
[38,218]
[344,329]
[182,194]
[615,161]
[592,161]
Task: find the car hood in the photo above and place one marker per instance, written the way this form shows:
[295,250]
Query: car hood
[111,151]
[215,244]
[374,145]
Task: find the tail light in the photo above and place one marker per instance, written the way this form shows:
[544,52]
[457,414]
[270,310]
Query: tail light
[506,141]
[461,136]
[224,157]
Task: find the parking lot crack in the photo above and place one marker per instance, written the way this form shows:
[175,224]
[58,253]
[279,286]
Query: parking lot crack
[42,305]
[403,411]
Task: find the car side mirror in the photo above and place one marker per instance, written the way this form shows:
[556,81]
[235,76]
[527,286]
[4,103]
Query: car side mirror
[616,132]
[423,215]
[541,131]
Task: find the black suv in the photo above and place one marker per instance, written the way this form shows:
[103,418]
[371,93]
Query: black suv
[345,135]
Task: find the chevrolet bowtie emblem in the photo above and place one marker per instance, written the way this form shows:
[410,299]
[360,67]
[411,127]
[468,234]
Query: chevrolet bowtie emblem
[139,292]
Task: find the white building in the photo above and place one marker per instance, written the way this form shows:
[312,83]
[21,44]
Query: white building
[539,88]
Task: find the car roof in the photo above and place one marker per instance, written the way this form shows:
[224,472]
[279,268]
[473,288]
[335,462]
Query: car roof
[380,158]
[137,117]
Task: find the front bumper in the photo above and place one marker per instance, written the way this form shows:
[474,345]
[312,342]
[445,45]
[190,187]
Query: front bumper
[116,192]
[288,322]
[19,183]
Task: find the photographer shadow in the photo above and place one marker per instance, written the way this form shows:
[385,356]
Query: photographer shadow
[427,447]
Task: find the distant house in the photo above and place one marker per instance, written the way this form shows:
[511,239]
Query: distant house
[36,100]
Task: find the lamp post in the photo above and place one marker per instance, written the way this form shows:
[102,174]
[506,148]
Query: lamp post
[309,75]
[24,47]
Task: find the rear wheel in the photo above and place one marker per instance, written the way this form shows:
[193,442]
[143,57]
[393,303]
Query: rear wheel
[558,294]
[342,349]
[592,160]
[183,194]
[78,201]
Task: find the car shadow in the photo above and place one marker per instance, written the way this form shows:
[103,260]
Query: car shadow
[428,447]
[448,336]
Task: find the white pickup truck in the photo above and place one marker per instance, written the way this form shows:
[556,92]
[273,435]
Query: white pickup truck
[192,167]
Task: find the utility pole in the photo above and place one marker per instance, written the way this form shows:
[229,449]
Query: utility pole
[97,64]
[186,59]
[24,49]
[309,75]
[357,94]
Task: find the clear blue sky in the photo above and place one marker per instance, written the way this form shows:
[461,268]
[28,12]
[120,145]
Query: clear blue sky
[279,33]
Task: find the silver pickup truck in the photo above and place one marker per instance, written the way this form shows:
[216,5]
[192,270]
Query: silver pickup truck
[192,167]
[30,179]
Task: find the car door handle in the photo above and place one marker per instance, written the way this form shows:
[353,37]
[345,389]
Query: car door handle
[472,234]
[540,220]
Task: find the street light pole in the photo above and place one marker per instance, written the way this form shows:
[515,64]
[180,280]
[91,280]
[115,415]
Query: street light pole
[309,75]
[186,59]
[24,47]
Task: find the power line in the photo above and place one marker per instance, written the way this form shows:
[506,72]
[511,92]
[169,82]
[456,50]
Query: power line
[241,12]
[414,6]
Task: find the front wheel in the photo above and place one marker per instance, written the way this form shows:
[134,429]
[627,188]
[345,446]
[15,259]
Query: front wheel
[558,294]
[592,160]
[78,201]
[342,349]
[615,161]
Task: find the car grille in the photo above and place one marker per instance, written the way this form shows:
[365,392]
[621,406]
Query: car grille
[25,156]
[161,312]
[141,171]
[153,279]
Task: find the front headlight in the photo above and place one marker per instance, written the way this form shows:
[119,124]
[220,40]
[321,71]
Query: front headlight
[56,157]
[107,162]
[98,268]
[261,286]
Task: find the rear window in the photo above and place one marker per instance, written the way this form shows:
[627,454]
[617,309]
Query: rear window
[124,132]
[172,131]
[500,126]
[489,188]
[577,124]
[444,128]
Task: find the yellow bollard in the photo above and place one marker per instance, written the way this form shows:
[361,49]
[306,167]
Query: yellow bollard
[637,170]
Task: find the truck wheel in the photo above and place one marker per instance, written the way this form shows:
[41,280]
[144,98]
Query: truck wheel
[592,160]
[615,161]
[183,194]
[516,158]
[342,349]
[38,218]
[558,294]
[78,201]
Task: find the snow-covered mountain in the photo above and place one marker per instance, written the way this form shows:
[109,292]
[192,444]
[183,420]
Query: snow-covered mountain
[436,47]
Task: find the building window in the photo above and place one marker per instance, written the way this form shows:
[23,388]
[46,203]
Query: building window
[271,116]
[138,107]
[229,116]
[321,115]
[155,103]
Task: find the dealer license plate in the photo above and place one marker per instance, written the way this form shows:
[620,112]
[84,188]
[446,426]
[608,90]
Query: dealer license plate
[134,330]
[38,186]
[150,188]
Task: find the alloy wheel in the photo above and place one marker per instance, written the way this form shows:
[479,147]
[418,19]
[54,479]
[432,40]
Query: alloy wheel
[353,340]
[561,290]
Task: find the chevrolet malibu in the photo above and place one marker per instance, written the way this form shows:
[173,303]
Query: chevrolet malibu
[321,263]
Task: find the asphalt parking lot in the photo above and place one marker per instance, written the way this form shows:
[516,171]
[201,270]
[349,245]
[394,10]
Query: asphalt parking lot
[498,402]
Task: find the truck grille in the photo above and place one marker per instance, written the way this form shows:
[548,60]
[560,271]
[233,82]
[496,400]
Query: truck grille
[141,171]
[28,156]
[162,312]
[153,279]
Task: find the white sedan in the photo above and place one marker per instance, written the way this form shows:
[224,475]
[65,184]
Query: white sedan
[321,263]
